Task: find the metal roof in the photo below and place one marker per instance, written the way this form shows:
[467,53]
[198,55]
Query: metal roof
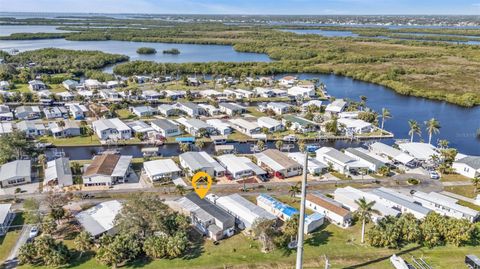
[164,124]
[472,161]
[100,218]
[216,212]
[243,209]
[59,169]
[276,160]
[158,167]
[421,151]
[398,200]
[445,201]
[15,169]
[4,210]
[365,157]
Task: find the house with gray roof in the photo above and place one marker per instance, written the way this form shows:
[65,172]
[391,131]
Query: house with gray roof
[15,173]
[400,202]
[36,85]
[143,111]
[6,217]
[167,110]
[55,112]
[339,161]
[70,128]
[271,124]
[111,129]
[70,84]
[189,108]
[32,128]
[372,163]
[58,173]
[468,166]
[201,161]
[28,113]
[299,124]
[194,126]
[278,108]
[166,127]
[208,218]
[232,109]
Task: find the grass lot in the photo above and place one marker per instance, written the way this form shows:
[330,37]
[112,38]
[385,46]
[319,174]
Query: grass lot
[255,112]
[237,136]
[453,177]
[22,88]
[339,175]
[57,88]
[8,241]
[124,114]
[467,191]
[72,141]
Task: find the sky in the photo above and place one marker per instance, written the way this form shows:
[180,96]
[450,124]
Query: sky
[291,7]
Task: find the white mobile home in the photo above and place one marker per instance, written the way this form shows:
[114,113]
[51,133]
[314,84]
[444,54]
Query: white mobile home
[332,210]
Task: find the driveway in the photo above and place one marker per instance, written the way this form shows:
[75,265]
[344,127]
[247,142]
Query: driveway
[12,260]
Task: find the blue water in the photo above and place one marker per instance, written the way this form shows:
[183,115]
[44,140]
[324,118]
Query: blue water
[6,30]
[188,52]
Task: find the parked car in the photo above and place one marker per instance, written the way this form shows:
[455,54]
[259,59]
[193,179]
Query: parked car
[290,138]
[434,175]
[33,232]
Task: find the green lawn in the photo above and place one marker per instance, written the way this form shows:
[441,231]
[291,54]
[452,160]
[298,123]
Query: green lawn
[340,175]
[8,241]
[124,114]
[453,177]
[71,141]
[57,88]
[22,88]
[255,112]
[237,136]
[467,191]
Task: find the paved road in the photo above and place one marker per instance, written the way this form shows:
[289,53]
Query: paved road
[12,261]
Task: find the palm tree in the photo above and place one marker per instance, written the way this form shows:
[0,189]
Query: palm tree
[385,115]
[414,129]
[294,189]
[83,242]
[364,213]
[180,190]
[443,143]
[475,182]
[184,147]
[279,144]
[433,127]
[199,144]
[260,145]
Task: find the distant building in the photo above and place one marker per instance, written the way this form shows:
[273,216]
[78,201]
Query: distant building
[299,124]
[69,129]
[36,85]
[400,202]
[336,106]
[189,108]
[299,91]
[278,108]
[32,128]
[28,113]
[271,124]
[222,127]
[231,109]
[143,111]
[195,126]
[70,85]
[246,127]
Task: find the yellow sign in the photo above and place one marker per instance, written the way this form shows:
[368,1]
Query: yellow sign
[201,183]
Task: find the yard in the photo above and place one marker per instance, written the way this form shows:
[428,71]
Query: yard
[467,191]
[71,141]
[453,178]
[340,246]
[8,241]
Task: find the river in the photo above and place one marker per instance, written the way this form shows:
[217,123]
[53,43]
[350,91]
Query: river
[459,124]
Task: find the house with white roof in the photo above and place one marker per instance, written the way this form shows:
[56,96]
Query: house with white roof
[77,111]
[93,84]
[244,211]
[151,95]
[65,96]
[336,106]
[143,111]
[6,128]
[36,85]
[355,126]
[299,124]
[28,113]
[159,170]
[166,127]
[69,128]
[315,167]
[359,154]
[401,202]
[299,91]
[239,167]
[278,108]
[4,85]
[246,127]
[420,151]
[32,128]
[167,110]
[445,205]
[70,85]
[113,129]
[312,103]
[110,95]
[278,162]
[211,93]
[201,161]
[174,95]
[339,160]
[232,109]
[264,92]
[348,195]
[6,218]
[392,153]
[140,127]
[54,112]
[194,126]
[100,219]
[468,166]
[189,108]
[5,113]
[209,109]
[271,124]
[15,173]
[332,209]
[58,173]
[107,169]
[287,81]
[222,127]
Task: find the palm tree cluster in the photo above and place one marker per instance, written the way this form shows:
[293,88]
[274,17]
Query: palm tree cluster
[432,127]
[434,230]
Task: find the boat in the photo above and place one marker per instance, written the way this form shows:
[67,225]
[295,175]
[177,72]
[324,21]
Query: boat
[398,262]
[150,152]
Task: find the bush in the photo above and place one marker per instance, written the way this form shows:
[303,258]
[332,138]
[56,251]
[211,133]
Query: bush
[413,181]
[145,50]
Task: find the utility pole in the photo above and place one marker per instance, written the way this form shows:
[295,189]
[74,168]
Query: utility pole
[301,221]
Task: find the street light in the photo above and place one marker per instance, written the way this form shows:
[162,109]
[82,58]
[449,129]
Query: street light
[301,226]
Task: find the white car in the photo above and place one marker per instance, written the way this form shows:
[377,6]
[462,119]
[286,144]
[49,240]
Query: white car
[434,175]
[290,138]
[33,232]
